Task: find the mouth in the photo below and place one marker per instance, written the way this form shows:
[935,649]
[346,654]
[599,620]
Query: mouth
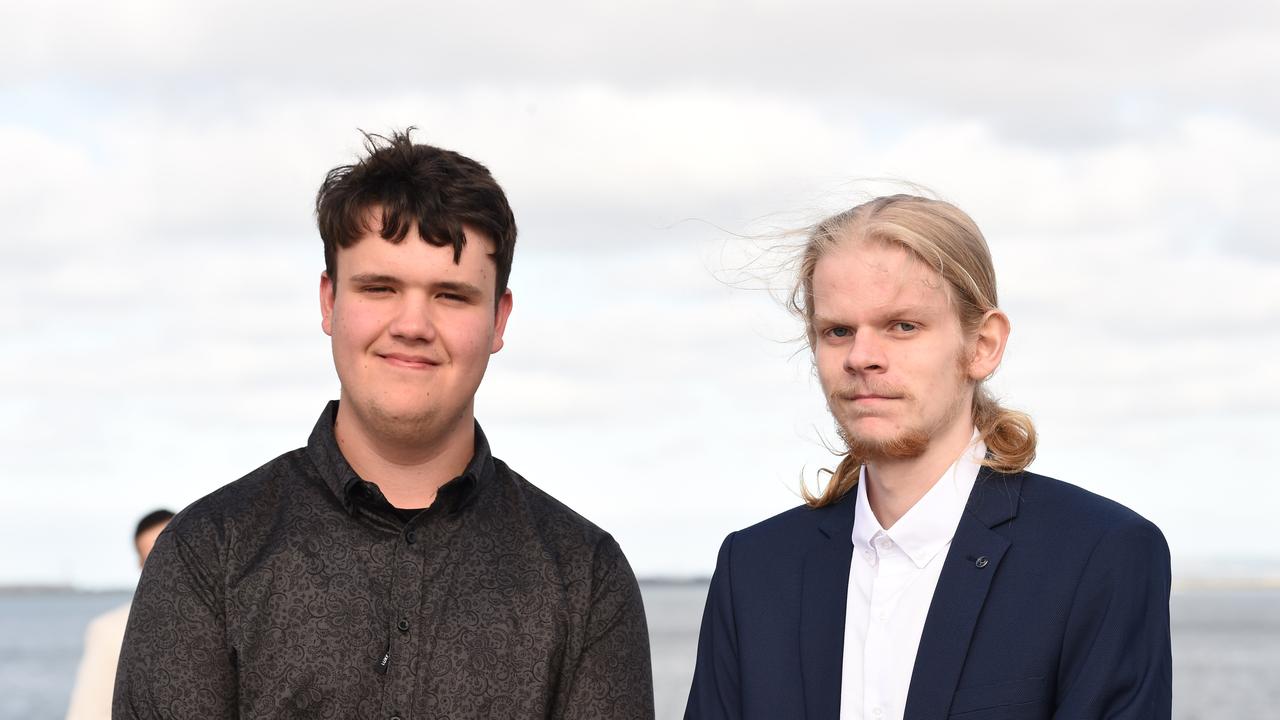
[408,361]
[867,397]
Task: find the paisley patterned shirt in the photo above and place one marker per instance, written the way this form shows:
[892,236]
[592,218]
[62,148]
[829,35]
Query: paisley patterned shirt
[298,592]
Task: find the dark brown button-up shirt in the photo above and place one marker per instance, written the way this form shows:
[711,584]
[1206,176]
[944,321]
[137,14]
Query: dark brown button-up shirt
[298,592]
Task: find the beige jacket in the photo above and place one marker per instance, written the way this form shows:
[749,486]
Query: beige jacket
[91,697]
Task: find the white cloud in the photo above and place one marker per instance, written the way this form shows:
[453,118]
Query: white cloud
[1044,70]
[158,216]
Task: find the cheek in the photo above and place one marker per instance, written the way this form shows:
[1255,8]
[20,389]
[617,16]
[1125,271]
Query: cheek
[353,329]
[830,370]
[472,339]
[829,360]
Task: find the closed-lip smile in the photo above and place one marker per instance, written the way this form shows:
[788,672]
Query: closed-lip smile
[407,360]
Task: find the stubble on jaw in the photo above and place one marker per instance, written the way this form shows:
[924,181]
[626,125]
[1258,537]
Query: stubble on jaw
[399,428]
[911,442]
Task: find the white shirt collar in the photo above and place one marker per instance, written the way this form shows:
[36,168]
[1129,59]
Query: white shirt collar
[930,524]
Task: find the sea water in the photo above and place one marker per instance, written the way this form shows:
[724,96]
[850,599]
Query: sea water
[1226,649]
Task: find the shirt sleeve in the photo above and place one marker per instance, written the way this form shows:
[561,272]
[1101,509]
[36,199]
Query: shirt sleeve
[715,692]
[613,677]
[1116,658]
[176,662]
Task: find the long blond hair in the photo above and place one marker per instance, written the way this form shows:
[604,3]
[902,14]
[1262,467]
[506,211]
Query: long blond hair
[946,239]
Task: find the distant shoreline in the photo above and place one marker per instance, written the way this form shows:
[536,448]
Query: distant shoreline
[1211,584]
[1183,585]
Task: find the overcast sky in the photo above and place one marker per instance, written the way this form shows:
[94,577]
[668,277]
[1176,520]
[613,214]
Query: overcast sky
[159,314]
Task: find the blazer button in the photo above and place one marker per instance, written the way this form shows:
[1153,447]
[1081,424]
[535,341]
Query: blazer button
[981,562]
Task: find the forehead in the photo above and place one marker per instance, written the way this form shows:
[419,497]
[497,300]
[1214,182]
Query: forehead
[868,277]
[414,258]
[148,536]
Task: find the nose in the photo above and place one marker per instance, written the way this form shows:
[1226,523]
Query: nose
[413,321]
[866,354]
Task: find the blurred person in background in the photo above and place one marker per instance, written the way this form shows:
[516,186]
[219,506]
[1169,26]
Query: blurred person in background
[95,679]
[933,576]
[393,567]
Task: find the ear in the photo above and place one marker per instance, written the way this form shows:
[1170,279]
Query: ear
[500,319]
[988,345]
[327,290]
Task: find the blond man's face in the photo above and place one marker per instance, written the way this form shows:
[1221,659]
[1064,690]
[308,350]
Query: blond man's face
[889,349]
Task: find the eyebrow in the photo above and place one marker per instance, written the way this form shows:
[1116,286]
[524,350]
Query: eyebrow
[906,311]
[461,288]
[374,279]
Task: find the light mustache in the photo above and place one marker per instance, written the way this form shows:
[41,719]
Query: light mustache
[849,393]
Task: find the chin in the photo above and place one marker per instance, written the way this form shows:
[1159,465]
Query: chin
[889,444]
[402,421]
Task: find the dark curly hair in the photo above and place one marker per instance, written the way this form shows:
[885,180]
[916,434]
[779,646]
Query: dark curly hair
[150,520]
[438,189]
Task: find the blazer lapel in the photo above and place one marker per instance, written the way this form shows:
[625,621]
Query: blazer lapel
[824,592]
[974,557]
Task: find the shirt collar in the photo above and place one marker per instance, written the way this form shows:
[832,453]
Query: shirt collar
[865,524]
[930,524]
[342,480]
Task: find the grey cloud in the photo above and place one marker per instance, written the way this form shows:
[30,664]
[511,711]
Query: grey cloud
[1120,158]
[1041,70]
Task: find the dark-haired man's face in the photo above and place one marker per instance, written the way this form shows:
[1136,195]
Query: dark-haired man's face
[147,540]
[412,332]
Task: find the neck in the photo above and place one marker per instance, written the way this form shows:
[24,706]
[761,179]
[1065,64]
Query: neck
[894,486]
[408,474]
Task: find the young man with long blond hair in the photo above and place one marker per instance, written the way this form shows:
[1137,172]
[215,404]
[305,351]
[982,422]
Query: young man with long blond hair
[933,576]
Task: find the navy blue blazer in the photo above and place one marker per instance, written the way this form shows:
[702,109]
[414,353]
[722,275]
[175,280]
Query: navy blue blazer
[1053,603]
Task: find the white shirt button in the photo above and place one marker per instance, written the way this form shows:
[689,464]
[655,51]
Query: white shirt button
[877,712]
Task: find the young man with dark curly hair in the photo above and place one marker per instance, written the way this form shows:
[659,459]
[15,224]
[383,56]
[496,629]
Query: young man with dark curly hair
[393,567]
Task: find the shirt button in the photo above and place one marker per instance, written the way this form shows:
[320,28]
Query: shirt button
[403,625]
[874,711]
[411,537]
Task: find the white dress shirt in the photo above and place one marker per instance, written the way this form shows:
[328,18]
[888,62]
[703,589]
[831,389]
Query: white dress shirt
[891,582]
